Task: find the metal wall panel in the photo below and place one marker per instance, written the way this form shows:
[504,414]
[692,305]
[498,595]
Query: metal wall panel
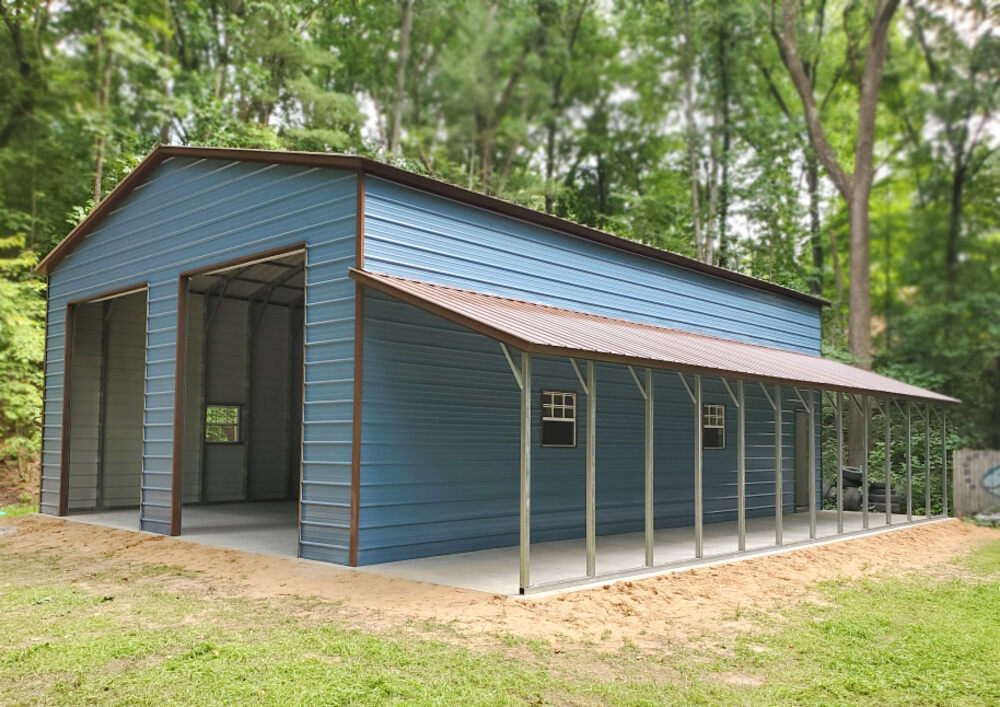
[227,370]
[194,400]
[418,235]
[269,406]
[440,443]
[193,213]
[121,467]
[85,413]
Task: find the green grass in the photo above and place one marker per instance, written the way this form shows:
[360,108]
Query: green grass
[19,509]
[904,641]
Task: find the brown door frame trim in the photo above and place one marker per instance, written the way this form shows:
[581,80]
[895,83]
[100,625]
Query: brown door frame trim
[180,365]
[65,432]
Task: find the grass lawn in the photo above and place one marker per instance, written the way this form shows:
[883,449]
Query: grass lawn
[156,638]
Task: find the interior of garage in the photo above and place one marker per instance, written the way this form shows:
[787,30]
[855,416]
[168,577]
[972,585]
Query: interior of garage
[242,407]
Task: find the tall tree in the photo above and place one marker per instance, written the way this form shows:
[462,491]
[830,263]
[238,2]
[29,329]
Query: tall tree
[855,185]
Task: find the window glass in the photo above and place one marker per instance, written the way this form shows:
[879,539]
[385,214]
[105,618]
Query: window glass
[558,419]
[222,423]
[713,426]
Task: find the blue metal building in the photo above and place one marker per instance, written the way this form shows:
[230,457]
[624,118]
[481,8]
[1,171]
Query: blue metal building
[238,325]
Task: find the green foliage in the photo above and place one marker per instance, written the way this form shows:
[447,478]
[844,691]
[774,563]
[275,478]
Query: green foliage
[572,106]
[22,350]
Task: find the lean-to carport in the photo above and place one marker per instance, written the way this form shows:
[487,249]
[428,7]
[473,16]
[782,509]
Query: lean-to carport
[535,329]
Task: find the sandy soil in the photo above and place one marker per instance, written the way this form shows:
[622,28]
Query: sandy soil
[650,612]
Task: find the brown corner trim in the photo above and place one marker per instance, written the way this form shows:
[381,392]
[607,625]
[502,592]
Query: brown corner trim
[177,452]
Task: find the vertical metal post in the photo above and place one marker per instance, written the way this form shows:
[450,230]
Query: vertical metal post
[650,507]
[778,492]
[591,471]
[741,471]
[525,538]
[927,460]
[887,414]
[699,451]
[866,415]
[811,446]
[944,463]
[909,462]
[839,414]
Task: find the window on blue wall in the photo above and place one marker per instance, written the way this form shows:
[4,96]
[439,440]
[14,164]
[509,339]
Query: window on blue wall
[713,426]
[558,419]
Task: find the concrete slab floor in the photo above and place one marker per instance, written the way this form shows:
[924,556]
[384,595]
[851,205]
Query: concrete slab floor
[496,571]
[265,527]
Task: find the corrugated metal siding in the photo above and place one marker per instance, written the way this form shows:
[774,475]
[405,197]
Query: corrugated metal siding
[125,370]
[85,413]
[194,399]
[226,369]
[193,213]
[440,443]
[269,406]
[413,234]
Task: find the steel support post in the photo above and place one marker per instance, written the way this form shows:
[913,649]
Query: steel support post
[909,462]
[591,471]
[811,446]
[887,414]
[648,476]
[839,415]
[525,537]
[944,464]
[741,470]
[866,417]
[699,453]
[778,492]
[927,460]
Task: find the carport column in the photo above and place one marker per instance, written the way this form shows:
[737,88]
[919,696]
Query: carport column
[741,469]
[650,507]
[865,415]
[699,452]
[909,463]
[778,492]
[591,470]
[944,463]
[811,446]
[838,411]
[887,414]
[525,538]
[927,460]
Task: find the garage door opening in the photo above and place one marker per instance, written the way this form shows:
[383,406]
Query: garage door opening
[243,405]
[106,358]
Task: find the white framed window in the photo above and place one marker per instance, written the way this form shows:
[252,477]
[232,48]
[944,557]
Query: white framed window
[558,419]
[713,426]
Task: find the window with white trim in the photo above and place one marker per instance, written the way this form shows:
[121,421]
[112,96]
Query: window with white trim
[558,419]
[713,426]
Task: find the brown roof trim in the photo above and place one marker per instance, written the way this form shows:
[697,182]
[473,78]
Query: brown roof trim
[410,179]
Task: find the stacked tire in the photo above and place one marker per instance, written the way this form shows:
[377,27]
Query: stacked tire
[854,496]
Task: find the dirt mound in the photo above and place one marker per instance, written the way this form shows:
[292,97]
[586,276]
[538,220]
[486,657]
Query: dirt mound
[652,611]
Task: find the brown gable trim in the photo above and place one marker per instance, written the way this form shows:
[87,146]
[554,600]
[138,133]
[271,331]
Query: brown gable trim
[410,179]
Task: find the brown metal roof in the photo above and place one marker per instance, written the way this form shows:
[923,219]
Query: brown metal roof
[411,179]
[544,329]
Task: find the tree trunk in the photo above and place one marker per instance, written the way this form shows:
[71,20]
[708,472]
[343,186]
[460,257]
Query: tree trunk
[859,310]
[406,27]
[815,236]
[103,98]
[951,245]
[691,128]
